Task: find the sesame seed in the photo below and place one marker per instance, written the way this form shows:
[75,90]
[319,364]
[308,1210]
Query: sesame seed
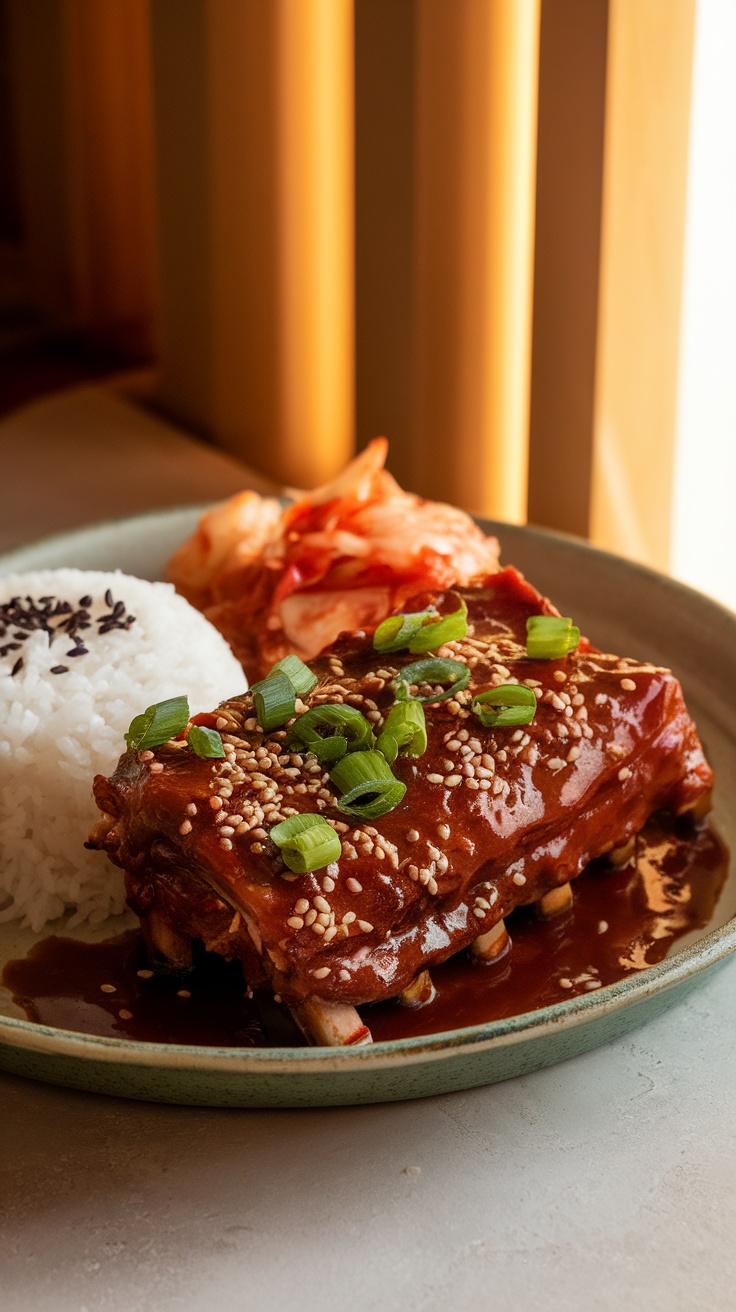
[353,885]
[216,803]
[317,928]
[624,773]
[156,767]
[301,906]
[349,917]
[518,878]
[452,780]
[443,831]
[414,873]
[186,827]
[600,699]
[183,993]
[479,912]
[310,917]
[565,983]
[555,763]
[144,974]
[324,918]
[146,756]
[628,685]
[560,676]
[321,903]
[108,988]
[344,974]
[322,972]
[295,922]
[602,926]
[330,933]
[435,779]
[328,884]
[573,753]
[412,836]
[227,831]
[228,846]
[191,809]
[365,925]
[124,1014]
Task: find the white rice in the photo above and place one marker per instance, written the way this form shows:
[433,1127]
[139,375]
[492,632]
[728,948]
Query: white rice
[58,730]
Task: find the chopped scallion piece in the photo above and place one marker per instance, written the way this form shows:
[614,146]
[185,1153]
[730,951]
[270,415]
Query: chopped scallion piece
[332,730]
[549,637]
[368,787]
[510,703]
[449,628]
[435,669]
[158,724]
[297,673]
[206,743]
[307,842]
[405,730]
[274,699]
[398,630]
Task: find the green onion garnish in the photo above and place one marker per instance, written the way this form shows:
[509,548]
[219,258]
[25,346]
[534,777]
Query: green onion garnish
[397,631]
[368,787]
[405,730]
[447,629]
[435,669]
[548,637]
[510,703]
[158,724]
[274,699]
[307,842]
[206,743]
[297,673]
[347,731]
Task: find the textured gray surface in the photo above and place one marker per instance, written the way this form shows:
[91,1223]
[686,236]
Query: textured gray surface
[605,1182]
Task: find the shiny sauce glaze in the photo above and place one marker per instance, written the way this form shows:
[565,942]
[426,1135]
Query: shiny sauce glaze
[620,923]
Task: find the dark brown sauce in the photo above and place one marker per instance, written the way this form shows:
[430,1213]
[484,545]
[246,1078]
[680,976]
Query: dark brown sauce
[672,890]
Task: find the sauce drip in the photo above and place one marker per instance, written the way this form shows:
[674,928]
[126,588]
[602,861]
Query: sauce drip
[620,922]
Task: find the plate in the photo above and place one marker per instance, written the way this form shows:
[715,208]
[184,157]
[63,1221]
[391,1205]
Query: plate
[623,607]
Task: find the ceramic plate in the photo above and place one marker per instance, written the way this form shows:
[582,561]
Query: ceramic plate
[622,607]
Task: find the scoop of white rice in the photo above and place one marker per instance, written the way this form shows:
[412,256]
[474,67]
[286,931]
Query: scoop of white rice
[57,730]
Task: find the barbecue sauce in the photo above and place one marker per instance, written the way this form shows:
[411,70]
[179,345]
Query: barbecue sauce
[620,922]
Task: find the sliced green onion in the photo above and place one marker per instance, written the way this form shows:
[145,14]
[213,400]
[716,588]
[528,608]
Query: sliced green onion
[397,631]
[368,786]
[447,629]
[508,704]
[307,842]
[158,724]
[548,637]
[297,673]
[405,730]
[274,699]
[206,743]
[435,669]
[347,731]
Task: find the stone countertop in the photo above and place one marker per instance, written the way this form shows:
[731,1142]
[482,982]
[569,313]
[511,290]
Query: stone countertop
[602,1183]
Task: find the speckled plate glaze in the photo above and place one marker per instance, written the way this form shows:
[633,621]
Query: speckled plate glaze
[623,608]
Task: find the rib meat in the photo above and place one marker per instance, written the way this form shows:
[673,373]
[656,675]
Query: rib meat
[492,817]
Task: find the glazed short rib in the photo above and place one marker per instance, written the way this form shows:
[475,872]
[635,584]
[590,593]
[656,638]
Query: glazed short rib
[492,818]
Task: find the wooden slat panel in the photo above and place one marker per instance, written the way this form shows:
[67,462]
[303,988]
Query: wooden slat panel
[384,129]
[572,87]
[476,100]
[81,89]
[269,251]
[644,196]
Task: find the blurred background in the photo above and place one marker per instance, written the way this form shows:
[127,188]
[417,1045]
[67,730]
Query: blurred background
[239,238]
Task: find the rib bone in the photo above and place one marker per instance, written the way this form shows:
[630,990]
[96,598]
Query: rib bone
[167,947]
[700,809]
[622,856]
[331,1024]
[419,992]
[491,945]
[555,902]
